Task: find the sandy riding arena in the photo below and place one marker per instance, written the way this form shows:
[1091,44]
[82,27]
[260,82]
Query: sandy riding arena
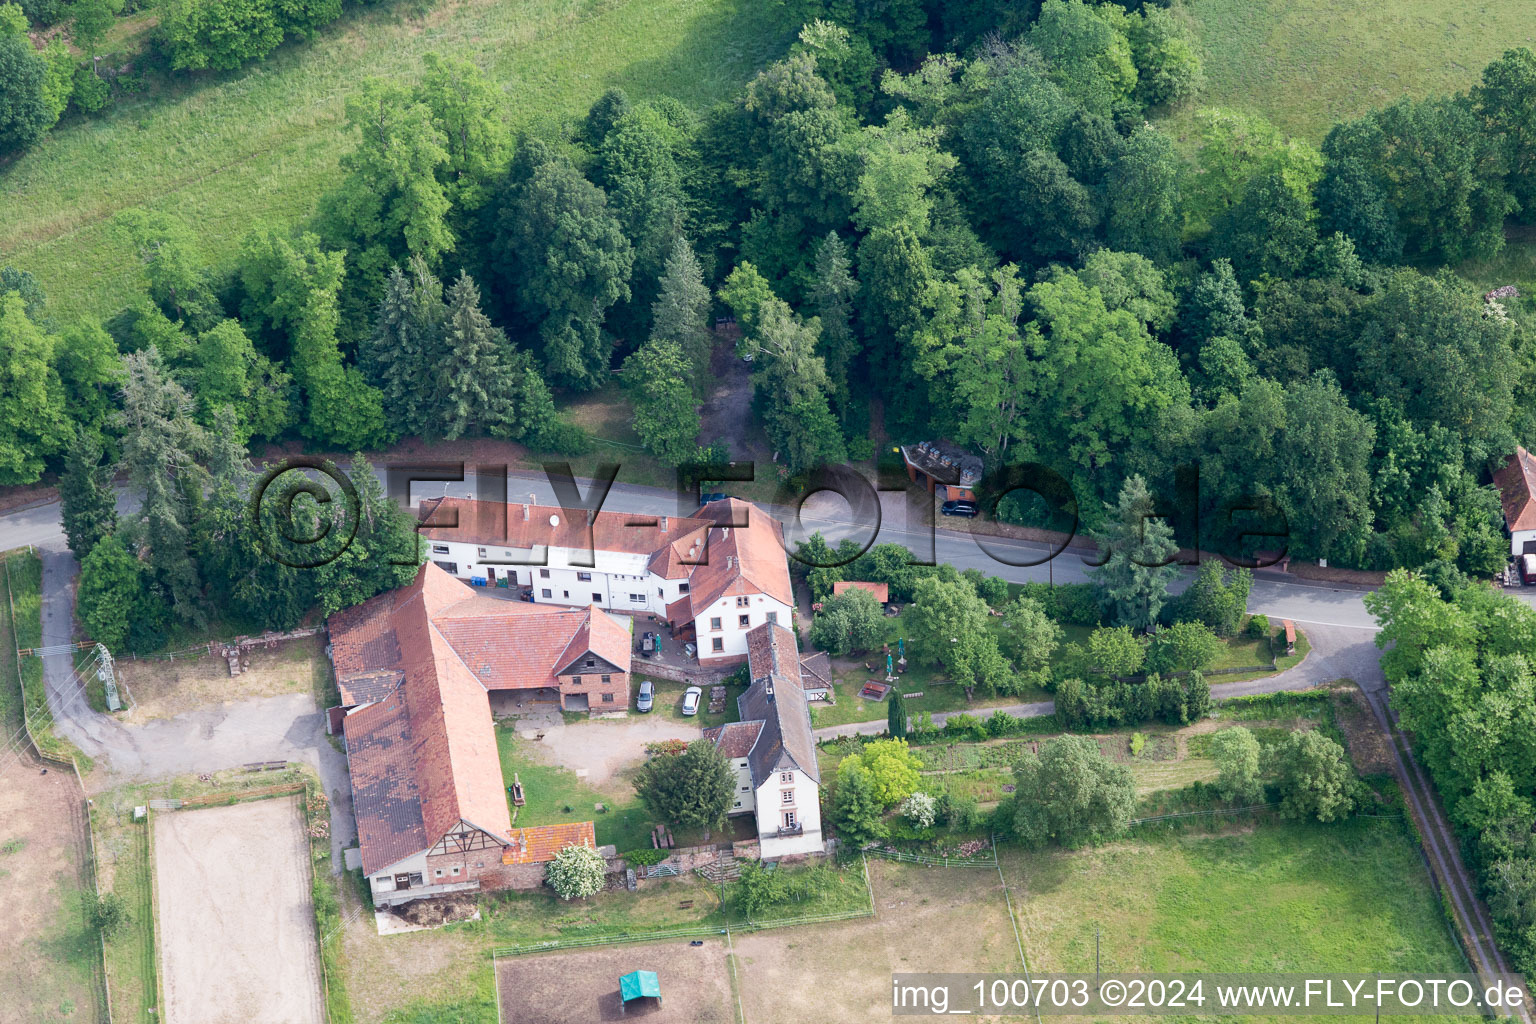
[237,933]
[582,986]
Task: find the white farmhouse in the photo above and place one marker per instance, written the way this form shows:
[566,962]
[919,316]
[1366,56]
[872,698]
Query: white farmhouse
[773,750]
[714,576]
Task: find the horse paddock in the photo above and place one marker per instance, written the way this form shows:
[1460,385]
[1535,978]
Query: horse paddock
[582,986]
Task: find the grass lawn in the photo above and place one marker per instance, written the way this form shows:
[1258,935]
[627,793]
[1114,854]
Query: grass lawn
[1349,896]
[925,676]
[1305,64]
[230,152]
[669,703]
[555,795]
[445,975]
[24,574]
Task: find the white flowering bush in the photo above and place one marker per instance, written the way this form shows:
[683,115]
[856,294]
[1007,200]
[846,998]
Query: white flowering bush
[576,872]
[919,809]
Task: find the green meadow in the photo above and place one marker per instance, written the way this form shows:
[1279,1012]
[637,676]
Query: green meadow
[261,145]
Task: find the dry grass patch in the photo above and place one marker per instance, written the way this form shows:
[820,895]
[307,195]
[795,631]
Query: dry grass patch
[46,949]
[164,689]
[583,986]
[926,919]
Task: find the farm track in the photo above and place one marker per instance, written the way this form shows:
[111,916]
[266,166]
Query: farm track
[1442,851]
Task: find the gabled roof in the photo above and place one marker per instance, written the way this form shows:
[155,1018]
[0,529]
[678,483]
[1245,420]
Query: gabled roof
[881,591]
[735,739]
[816,671]
[504,644]
[1516,481]
[388,806]
[728,547]
[424,757]
[526,525]
[539,844]
[776,699]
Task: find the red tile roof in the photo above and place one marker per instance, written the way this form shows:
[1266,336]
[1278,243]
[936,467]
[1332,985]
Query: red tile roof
[1516,481]
[515,525]
[727,548]
[539,844]
[735,739]
[882,591]
[424,758]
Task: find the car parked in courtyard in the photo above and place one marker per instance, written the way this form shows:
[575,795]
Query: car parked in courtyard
[647,698]
[691,698]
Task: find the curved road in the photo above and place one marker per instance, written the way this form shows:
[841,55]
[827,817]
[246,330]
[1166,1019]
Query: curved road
[1341,632]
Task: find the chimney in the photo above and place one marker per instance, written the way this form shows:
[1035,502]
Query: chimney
[730,562]
[663,524]
[527,511]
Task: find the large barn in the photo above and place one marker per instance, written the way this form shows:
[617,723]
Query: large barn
[417,669]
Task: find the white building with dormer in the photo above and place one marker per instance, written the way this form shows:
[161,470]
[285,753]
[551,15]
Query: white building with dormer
[714,576]
[773,749]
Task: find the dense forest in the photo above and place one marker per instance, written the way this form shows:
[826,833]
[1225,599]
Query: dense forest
[959,220]
[1460,667]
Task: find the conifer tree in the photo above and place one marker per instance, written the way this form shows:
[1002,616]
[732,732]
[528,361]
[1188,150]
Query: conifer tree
[86,494]
[832,295]
[680,313]
[487,384]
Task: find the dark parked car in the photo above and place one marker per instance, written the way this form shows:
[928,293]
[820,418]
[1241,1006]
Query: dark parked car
[968,509]
[705,499]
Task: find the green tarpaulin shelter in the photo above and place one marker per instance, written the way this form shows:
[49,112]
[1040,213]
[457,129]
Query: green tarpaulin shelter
[636,984]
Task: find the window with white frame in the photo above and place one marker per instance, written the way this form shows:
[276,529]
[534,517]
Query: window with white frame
[584,577]
[789,819]
[439,549]
[787,796]
[714,622]
[786,778]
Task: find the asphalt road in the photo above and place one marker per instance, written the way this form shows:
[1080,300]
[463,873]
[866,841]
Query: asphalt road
[1341,632]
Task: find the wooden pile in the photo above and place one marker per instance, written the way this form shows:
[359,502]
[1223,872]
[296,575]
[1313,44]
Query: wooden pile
[661,838]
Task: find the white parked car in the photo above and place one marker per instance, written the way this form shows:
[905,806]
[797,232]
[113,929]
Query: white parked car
[691,698]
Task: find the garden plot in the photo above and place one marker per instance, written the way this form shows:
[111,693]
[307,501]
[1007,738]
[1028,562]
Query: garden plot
[237,931]
[926,919]
[582,986]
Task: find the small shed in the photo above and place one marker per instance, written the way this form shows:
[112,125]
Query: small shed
[1290,636]
[881,591]
[639,985]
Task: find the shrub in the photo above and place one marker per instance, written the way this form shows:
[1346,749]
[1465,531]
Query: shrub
[107,912]
[958,812]
[576,872]
[1182,647]
[1072,603]
[643,857]
[920,810]
[1138,743]
[1258,626]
